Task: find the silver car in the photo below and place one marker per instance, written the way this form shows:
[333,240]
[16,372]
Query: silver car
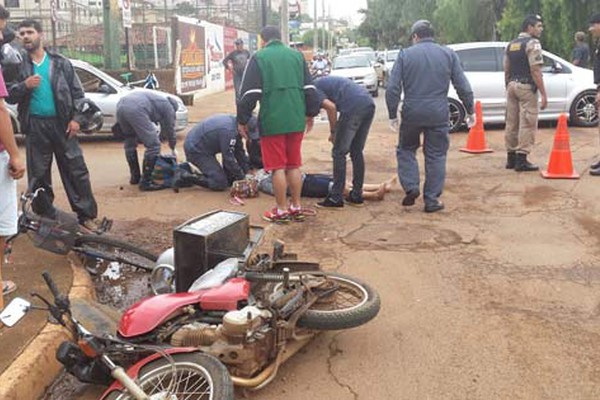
[570,89]
[359,69]
[106,92]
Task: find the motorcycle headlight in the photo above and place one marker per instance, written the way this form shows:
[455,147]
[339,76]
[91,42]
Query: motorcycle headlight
[162,280]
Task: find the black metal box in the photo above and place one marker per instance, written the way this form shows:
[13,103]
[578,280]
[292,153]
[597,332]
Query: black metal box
[203,242]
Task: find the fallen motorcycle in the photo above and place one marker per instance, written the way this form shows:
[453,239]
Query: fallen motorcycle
[153,372]
[251,312]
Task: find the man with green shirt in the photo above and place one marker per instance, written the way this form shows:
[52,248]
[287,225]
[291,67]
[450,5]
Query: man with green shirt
[278,77]
[49,94]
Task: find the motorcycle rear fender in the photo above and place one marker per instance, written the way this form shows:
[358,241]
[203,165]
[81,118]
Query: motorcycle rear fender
[146,315]
[134,371]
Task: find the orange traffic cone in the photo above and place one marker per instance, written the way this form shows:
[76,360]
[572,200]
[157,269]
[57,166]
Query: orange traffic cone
[476,141]
[560,165]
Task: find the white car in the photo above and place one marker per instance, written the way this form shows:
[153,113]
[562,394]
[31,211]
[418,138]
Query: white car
[358,69]
[570,89]
[106,91]
[388,60]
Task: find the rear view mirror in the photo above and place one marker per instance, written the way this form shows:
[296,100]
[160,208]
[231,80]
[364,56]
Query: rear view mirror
[14,311]
[557,68]
[104,88]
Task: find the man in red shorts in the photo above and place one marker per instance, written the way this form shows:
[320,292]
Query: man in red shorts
[278,77]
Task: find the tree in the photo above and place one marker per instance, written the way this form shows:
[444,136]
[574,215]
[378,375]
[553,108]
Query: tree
[185,8]
[309,35]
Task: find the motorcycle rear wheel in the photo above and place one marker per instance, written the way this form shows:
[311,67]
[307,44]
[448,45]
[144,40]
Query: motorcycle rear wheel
[109,249]
[198,376]
[354,303]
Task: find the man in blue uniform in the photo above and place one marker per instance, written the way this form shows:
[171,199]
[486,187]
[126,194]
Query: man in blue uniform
[138,114]
[348,135]
[216,134]
[424,72]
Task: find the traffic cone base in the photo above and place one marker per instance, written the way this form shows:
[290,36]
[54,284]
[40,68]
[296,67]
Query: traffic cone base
[549,175]
[560,165]
[476,141]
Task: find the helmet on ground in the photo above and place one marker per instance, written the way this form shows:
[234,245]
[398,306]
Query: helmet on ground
[92,116]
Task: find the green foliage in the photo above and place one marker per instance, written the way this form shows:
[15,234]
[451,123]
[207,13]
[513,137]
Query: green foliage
[388,22]
[308,37]
[186,8]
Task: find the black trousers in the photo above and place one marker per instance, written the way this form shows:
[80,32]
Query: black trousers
[47,138]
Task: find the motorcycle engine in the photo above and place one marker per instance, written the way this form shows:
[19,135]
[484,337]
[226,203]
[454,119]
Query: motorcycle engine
[244,342]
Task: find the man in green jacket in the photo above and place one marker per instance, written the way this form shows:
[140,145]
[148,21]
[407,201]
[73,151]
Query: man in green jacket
[278,77]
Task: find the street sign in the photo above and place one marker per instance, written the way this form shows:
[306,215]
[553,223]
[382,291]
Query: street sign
[126,8]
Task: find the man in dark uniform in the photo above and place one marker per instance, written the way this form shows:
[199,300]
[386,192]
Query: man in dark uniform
[523,78]
[236,61]
[595,31]
[348,135]
[424,71]
[214,135]
[137,116]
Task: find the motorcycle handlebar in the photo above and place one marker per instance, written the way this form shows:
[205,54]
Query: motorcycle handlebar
[51,285]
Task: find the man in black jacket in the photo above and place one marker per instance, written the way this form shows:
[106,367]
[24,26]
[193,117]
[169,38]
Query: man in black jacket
[236,61]
[48,94]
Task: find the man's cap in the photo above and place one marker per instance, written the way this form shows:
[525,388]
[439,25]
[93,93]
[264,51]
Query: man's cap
[595,19]
[419,25]
[238,41]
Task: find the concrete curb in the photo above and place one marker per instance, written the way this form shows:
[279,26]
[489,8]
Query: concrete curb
[30,374]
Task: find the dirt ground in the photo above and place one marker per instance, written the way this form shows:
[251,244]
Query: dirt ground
[496,297]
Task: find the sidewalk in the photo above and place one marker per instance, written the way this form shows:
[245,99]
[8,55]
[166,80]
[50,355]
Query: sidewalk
[27,350]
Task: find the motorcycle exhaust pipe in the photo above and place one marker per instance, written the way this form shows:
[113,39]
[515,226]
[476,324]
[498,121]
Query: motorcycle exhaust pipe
[269,373]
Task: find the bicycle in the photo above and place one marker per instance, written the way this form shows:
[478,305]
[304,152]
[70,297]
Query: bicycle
[149,82]
[63,234]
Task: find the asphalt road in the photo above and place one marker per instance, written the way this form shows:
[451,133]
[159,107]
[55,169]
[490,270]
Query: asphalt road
[496,297]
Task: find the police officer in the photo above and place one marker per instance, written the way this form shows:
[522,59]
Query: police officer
[424,72]
[595,31]
[216,134]
[523,78]
[137,116]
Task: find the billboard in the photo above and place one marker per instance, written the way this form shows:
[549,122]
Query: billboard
[229,37]
[215,53]
[192,62]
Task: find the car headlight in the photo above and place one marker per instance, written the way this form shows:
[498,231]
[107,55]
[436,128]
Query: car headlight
[180,106]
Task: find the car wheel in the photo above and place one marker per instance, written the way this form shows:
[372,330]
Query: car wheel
[375,93]
[583,110]
[457,115]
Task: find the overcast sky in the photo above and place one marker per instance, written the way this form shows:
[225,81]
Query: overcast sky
[340,8]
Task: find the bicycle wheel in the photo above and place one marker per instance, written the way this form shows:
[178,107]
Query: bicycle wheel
[108,249]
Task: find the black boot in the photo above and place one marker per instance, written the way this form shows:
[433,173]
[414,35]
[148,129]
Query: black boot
[146,183]
[522,165]
[134,167]
[511,160]
[181,179]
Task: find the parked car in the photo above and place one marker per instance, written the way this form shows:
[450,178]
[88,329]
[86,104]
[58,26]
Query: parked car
[387,61]
[106,92]
[570,89]
[357,68]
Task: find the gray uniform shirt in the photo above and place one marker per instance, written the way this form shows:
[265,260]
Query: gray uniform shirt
[424,72]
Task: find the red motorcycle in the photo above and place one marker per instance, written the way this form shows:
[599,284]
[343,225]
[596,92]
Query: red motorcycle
[252,312]
[139,372]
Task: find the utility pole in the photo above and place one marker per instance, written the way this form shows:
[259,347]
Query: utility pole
[263,5]
[112,42]
[315,32]
[285,23]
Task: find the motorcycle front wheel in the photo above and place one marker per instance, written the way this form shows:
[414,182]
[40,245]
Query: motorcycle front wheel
[190,376]
[351,304]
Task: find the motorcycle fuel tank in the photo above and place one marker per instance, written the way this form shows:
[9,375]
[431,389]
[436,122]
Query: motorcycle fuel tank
[146,315]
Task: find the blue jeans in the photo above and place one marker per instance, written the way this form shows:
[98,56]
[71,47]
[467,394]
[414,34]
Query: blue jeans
[435,147]
[350,137]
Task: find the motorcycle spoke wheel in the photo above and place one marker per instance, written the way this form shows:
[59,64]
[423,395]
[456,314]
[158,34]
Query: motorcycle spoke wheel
[351,303]
[194,376]
[104,250]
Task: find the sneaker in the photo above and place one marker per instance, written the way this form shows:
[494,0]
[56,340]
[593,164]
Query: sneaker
[355,201]
[8,287]
[275,216]
[431,208]
[299,214]
[330,204]
[92,225]
[409,199]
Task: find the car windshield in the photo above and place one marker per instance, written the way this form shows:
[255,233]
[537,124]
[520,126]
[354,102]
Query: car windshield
[392,55]
[371,56]
[100,74]
[351,62]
